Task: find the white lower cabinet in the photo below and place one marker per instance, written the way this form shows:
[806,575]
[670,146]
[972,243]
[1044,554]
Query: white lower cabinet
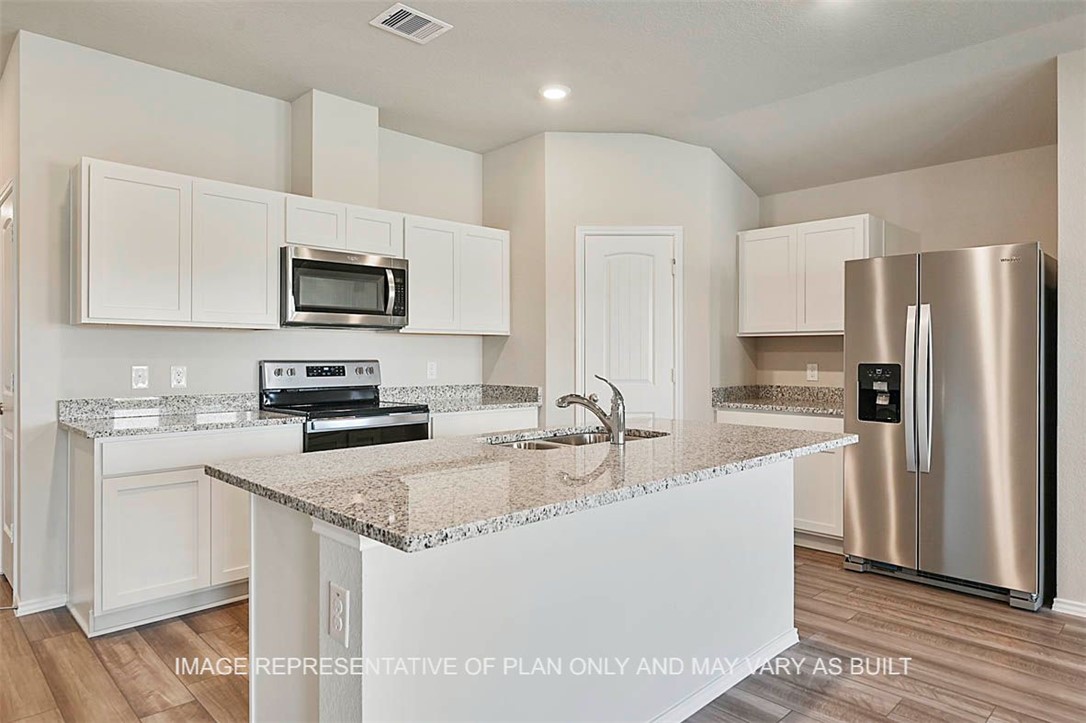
[229,533]
[155,536]
[150,535]
[484,421]
[819,478]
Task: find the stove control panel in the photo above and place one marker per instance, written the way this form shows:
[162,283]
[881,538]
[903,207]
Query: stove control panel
[313,375]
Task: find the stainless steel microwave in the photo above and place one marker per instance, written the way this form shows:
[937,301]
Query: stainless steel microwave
[340,288]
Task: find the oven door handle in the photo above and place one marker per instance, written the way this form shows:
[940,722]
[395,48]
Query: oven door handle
[396,419]
[391,292]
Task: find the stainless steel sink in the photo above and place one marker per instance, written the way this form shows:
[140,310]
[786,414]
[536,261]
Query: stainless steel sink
[577,440]
[532,444]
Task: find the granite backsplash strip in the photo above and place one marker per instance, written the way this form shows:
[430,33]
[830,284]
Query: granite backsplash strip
[166,405]
[465,397]
[441,398]
[779,393]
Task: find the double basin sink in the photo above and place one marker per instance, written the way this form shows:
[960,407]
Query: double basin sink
[576,440]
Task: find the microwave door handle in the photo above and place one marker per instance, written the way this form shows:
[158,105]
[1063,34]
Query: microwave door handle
[391,292]
[908,400]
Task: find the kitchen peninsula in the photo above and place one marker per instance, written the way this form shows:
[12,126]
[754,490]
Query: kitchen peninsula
[673,550]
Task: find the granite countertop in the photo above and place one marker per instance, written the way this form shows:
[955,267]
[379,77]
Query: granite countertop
[418,495]
[821,401]
[172,423]
[131,416]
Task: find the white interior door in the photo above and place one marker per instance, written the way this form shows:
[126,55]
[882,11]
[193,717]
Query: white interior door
[8,306]
[628,298]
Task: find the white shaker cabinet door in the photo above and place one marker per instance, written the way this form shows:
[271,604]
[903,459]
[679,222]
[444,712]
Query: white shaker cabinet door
[236,235]
[229,533]
[155,536]
[767,280]
[430,247]
[822,248]
[372,231]
[313,222]
[139,244]
[484,280]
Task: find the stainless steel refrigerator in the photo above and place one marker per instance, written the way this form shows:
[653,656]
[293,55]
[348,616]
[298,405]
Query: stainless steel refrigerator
[949,383]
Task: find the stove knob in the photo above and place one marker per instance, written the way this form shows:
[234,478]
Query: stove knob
[360,370]
[278,371]
[290,372]
[369,370]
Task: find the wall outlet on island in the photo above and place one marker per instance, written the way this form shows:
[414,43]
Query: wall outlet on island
[141,377]
[431,370]
[179,377]
[339,601]
[812,372]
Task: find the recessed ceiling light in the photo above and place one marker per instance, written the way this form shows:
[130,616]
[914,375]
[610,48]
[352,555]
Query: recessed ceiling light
[554,92]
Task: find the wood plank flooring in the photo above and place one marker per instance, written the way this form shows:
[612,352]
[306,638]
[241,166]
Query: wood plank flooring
[50,671]
[971,660]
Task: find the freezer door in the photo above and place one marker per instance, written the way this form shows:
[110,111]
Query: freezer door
[978,509]
[880,489]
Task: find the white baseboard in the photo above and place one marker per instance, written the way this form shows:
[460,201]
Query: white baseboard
[718,686]
[815,541]
[29,607]
[1069,607]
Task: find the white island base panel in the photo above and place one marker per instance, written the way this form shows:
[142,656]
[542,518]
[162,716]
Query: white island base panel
[701,573]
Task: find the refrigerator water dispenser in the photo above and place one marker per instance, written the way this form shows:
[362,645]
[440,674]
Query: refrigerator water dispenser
[879,393]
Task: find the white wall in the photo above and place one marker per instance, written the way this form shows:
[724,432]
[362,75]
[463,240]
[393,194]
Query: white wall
[514,198]
[1071,452]
[623,179]
[1008,198]
[430,179]
[79,102]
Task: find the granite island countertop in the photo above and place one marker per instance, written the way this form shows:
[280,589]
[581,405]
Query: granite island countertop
[417,495]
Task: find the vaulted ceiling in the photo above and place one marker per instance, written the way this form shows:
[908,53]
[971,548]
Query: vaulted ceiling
[790,94]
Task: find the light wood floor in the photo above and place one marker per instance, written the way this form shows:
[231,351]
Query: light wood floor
[972,660]
[49,671]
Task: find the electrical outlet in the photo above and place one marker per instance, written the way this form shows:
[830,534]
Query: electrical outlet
[812,372]
[141,377]
[431,370]
[339,602]
[179,377]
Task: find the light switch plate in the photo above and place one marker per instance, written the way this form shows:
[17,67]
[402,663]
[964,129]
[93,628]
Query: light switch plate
[179,377]
[141,377]
[339,609]
[812,372]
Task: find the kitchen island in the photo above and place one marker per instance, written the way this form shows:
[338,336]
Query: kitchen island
[486,582]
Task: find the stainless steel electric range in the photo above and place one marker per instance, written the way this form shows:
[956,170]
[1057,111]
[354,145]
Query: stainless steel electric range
[341,402]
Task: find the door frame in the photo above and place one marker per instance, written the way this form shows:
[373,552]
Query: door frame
[6,192]
[676,233]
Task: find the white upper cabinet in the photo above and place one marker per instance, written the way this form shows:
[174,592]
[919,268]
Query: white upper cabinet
[313,222]
[333,225]
[484,280]
[136,231]
[767,281]
[792,278]
[236,235]
[430,247]
[458,277]
[373,231]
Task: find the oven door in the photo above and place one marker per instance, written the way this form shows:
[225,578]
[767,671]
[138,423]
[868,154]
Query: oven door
[333,288]
[326,434]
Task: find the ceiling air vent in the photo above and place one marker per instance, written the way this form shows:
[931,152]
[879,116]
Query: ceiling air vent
[410,23]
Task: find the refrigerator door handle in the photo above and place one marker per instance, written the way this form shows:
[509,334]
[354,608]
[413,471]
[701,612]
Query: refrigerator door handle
[923,386]
[908,397]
